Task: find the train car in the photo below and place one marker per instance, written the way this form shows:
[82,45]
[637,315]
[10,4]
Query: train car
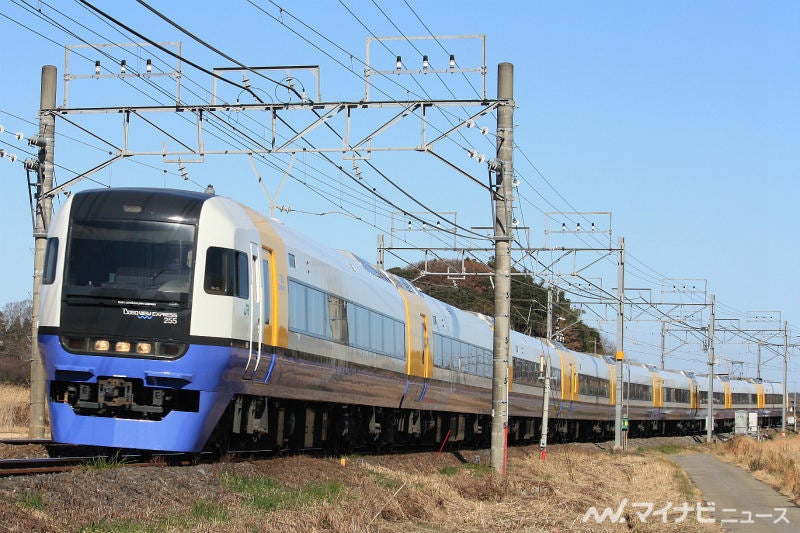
[182,321]
[529,356]
[773,399]
[744,395]
[769,397]
[257,334]
[718,400]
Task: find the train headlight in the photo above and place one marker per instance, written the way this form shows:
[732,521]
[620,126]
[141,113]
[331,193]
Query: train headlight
[101,345]
[122,346]
[144,348]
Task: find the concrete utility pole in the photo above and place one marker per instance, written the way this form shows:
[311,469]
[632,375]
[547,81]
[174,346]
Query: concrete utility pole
[758,363]
[545,365]
[785,368]
[663,341]
[503,235]
[620,342]
[44,209]
[710,414]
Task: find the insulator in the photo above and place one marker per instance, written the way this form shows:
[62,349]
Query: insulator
[35,140]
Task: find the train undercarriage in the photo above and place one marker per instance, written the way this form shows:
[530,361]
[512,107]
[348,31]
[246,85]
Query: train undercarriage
[260,423]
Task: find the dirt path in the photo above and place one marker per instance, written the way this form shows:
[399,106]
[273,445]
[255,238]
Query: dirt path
[735,499]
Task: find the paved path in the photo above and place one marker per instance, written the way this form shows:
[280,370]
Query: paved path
[740,502]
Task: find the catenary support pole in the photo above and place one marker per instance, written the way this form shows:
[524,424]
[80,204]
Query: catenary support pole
[620,342]
[544,364]
[44,209]
[758,363]
[710,411]
[785,398]
[502,263]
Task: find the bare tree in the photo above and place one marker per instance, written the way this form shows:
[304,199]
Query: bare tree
[15,340]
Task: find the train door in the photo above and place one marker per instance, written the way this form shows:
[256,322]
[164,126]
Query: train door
[419,361]
[658,391]
[612,382]
[427,359]
[728,399]
[761,397]
[694,392]
[575,391]
[569,380]
[256,312]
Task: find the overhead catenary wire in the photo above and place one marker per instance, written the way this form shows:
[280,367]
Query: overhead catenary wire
[523,215]
[101,51]
[167,50]
[204,43]
[561,196]
[219,52]
[340,48]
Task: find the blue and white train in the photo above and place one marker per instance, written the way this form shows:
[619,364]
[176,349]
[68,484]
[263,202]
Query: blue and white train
[183,321]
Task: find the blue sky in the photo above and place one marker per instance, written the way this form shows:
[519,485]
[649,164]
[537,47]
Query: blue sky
[681,118]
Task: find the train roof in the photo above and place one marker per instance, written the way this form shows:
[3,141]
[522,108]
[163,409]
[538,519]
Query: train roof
[139,204]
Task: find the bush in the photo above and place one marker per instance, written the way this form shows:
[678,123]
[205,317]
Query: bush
[12,370]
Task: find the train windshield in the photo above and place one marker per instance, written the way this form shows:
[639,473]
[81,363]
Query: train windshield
[139,259]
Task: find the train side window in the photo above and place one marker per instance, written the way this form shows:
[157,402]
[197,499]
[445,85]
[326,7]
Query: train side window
[297,307]
[375,332]
[360,334]
[337,311]
[50,260]
[317,313]
[399,339]
[388,336]
[242,276]
[226,273]
[472,350]
[292,262]
[437,350]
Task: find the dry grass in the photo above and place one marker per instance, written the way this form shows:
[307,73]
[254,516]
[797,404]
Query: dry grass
[773,460]
[397,493]
[15,403]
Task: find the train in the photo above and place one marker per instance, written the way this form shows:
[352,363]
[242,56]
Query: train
[184,321]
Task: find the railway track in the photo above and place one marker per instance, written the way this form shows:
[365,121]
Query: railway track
[23,442]
[50,465]
[66,457]
[40,465]
[72,457]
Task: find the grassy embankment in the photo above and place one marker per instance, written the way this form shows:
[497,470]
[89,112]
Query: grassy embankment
[774,461]
[15,402]
[412,492]
[368,493]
